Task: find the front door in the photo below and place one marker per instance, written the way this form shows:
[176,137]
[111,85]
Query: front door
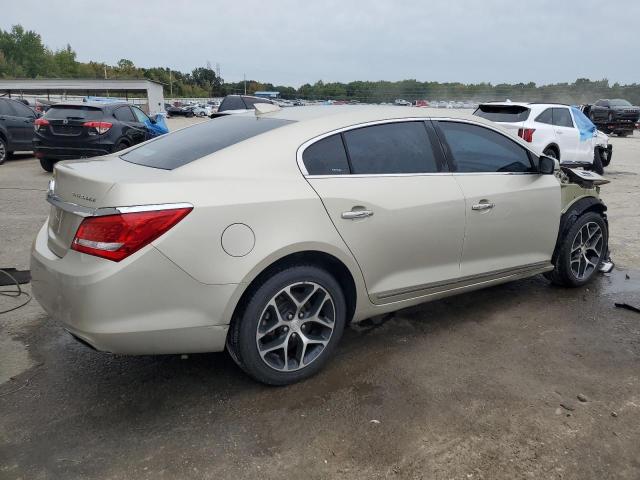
[513,212]
[399,213]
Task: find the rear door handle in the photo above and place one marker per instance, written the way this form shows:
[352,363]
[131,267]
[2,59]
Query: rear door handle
[483,206]
[355,214]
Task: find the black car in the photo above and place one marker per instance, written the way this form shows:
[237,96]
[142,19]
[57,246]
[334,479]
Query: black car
[16,127]
[185,111]
[87,129]
[616,112]
[238,104]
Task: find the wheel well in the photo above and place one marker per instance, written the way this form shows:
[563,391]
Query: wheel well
[579,208]
[319,259]
[555,148]
[125,141]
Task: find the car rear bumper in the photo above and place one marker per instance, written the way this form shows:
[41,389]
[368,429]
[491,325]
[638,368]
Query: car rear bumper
[70,153]
[144,304]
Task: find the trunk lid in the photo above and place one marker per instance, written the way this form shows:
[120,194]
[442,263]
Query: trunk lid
[80,187]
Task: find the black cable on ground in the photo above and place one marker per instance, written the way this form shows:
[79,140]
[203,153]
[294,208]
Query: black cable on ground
[14,293]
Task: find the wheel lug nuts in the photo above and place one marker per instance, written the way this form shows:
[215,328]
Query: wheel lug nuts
[300,315]
[290,316]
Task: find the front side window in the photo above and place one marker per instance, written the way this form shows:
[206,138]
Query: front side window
[22,110]
[562,117]
[326,157]
[479,149]
[399,147]
[250,102]
[140,115]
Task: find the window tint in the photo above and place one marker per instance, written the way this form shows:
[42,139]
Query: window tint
[619,102]
[600,103]
[21,110]
[390,148]
[503,113]
[184,146]
[562,117]
[478,149]
[232,103]
[5,109]
[326,157]
[252,101]
[546,117]
[140,115]
[73,111]
[124,114]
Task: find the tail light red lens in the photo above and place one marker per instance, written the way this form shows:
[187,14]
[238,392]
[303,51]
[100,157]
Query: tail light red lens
[100,127]
[526,134]
[115,237]
[40,122]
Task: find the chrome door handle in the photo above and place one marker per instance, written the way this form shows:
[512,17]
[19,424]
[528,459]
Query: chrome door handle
[354,214]
[483,206]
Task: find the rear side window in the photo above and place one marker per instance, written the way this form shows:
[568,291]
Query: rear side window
[232,103]
[184,146]
[124,114]
[562,117]
[546,117]
[401,147]
[79,112]
[503,113]
[326,157]
[479,149]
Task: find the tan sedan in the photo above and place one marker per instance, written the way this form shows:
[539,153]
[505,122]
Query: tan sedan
[266,233]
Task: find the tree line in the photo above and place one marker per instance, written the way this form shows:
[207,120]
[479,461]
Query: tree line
[24,55]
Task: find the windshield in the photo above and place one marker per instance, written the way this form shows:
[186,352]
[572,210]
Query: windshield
[618,102]
[184,146]
[503,113]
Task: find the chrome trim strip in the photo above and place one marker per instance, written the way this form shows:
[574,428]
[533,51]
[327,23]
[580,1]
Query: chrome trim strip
[82,211]
[462,282]
[496,128]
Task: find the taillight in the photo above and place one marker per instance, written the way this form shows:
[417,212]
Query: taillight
[99,127]
[40,122]
[526,134]
[115,237]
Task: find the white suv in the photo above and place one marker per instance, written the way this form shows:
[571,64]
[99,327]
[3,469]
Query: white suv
[555,130]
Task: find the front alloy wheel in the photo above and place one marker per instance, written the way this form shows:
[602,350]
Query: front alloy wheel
[586,250]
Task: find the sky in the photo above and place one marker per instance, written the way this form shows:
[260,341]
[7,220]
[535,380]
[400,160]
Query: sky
[287,42]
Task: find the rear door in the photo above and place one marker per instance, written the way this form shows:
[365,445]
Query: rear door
[512,211]
[567,135]
[391,199]
[133,128]
[14,126]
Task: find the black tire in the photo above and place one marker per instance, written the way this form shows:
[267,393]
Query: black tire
[47,164]
[597,166]
[605,156]
[563,274]
[4,153]
[120,146]
[592,117]
[551,152]
[242,341]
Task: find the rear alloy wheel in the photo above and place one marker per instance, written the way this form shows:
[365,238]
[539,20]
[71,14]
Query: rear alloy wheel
[290,326]
[47,164]
[3,151]
[120,146]
[582,251]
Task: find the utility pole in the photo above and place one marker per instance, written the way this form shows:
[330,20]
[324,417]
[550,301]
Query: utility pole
[105,72]
[170,85]
[244,76]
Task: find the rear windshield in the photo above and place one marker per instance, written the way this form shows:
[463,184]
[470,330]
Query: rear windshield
[503,113]
[71,111]
[184,146]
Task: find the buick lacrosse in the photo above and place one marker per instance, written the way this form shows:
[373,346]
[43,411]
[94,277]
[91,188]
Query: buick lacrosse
[265,233]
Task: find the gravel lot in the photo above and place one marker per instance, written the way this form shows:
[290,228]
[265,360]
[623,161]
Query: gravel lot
[479,386]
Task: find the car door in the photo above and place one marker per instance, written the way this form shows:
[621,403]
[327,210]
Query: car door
[14,126]
[567,135]
[24,117]
[143,120]
[135,131]
[391,199]
[513,212]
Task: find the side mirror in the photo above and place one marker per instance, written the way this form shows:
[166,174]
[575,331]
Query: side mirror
[547,165]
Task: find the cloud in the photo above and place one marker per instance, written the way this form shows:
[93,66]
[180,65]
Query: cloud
[293,42]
